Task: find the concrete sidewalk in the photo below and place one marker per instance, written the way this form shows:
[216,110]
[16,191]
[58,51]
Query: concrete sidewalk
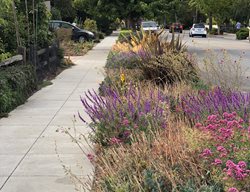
[28,137]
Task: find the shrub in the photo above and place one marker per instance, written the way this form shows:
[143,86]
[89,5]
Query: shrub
[124,35]
[64,34]
[217,101]
[214,31]
[16,84]
[128,60]
[117,116]
[90,25]
[242,34]
[71,48]
[169,68]
[100,35]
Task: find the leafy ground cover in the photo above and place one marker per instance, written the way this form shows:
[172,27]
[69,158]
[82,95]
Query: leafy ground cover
[157,127]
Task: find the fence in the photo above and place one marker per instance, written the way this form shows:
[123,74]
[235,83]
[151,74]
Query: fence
[45,61]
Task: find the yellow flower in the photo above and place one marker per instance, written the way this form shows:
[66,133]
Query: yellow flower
[122,77]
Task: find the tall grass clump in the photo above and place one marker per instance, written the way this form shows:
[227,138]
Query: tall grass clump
[162,163]
[222,70]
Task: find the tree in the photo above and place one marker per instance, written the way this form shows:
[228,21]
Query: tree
[219,9]
[68,13]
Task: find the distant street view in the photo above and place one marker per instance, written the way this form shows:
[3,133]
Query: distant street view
[125,95]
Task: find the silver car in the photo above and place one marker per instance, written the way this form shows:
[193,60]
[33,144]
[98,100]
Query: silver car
[149,26]
[198,30]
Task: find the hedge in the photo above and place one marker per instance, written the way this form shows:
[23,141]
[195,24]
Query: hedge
[242,33]
[17,83]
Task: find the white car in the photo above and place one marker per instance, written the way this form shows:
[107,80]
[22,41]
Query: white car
[149,26]
[198,30]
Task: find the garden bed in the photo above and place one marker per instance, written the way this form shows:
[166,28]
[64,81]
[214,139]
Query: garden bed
[157,126]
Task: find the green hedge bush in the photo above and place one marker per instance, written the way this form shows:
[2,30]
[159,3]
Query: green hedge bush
[242,34]
[17,83]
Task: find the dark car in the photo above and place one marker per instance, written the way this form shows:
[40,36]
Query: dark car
[78,34]
[176,27]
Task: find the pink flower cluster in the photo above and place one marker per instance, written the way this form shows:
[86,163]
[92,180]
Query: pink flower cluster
[237,171]
[115,141]
[228,139]
[233,189]
[222,130]
[206,153]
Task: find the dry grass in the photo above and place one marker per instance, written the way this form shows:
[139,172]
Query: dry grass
[166,152]
[221,70]
[72,48]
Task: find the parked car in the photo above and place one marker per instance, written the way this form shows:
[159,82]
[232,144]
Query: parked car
[198,30]
[176,27]
[78,34]
[149,26]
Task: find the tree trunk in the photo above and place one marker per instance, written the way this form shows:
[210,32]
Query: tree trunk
[210,22]
[27,20]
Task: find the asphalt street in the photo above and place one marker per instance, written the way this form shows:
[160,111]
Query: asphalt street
[201,47]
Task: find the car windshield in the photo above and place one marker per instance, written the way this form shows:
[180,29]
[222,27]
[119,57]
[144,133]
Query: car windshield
[199,26]
[149,24]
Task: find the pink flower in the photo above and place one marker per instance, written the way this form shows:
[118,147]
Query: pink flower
[198,125]
[126,133]
[217,162]
[206,153]
[236,171]
[232,189]
[242,164]
[91,157]
[221,149]
[212,118]
[125,122]
[136,126]
[115,140]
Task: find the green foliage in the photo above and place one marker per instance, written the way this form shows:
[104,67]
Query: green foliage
[8,30]
[242,34]
[124,35]
[4,56]
[214,31]
[16,84]
[100,35]
[66,9]
[55,14]
[44,37]
[90,25]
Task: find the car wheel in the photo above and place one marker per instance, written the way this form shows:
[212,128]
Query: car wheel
[82,39]
[180,31]
[204,36]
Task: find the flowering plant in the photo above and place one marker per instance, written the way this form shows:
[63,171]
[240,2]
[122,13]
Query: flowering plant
[227,149]
[117,116]
[217,101]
